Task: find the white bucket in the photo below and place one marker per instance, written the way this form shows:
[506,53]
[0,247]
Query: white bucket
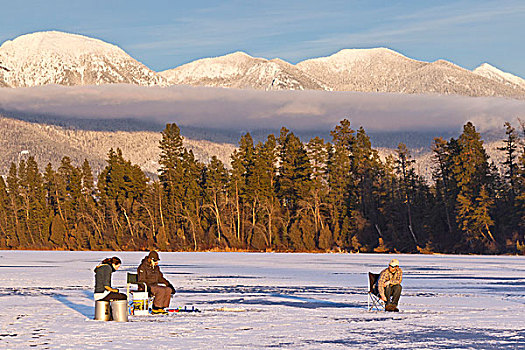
[140,304]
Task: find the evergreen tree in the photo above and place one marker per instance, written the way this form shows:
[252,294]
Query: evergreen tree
[7,236]
[405,169]
[317,204]
[216,182]
[192,203]
[471,174]
[511,156]
[58,232]
[293,181]
[171,175]
[16,204]
[445,186]
[121,186]
[241,180]
[87,179]
[366,173]
[90,233]
[520,198]
[265,173]
[33,197]
[342,191]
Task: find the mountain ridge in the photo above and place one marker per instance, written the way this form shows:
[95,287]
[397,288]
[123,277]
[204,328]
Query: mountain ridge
[53,57]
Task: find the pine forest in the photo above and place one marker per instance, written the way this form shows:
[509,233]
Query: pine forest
[279,195]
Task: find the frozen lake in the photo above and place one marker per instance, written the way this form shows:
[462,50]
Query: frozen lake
[257,300]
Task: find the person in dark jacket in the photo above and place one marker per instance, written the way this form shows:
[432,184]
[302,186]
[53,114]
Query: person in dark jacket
[149,273]
[103,289]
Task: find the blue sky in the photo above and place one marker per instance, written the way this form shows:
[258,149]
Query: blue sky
[165,34]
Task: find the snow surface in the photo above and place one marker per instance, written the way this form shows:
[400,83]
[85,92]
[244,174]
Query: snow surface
[250,300]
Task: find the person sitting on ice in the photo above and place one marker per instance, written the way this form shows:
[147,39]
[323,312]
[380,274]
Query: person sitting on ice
[389,285]
[149,273]
[103,289]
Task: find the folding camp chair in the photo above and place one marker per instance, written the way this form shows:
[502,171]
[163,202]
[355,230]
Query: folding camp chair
[374,300]
[140,302]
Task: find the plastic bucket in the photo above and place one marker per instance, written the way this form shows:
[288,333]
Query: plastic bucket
[102,310]
[140,304]
[119,310]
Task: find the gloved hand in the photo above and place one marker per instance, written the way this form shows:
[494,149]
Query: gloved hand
[172,288]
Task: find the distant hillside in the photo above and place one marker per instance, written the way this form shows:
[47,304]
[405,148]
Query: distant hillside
[50,143]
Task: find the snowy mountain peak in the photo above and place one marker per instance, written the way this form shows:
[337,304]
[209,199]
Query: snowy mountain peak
[240,70]
[349,56]
[363,53]
[237,55]
[487,66]
[488,71]
[441,63]
[59,43]
[69,59]
[384,70]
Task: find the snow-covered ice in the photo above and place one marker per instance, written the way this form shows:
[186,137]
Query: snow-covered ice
[251,300]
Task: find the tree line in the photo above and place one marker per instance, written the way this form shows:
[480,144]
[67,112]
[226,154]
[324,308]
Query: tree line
[279,195]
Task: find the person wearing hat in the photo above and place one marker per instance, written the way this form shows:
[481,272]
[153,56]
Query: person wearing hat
[389,285]
[149,274]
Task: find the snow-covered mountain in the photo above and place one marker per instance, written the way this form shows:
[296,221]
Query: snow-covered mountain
[384,70]
[491,72]
[68,59]
[378,69]
[240,70]
[364,70]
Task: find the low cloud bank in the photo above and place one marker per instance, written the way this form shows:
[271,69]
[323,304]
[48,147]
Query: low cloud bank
[238,110]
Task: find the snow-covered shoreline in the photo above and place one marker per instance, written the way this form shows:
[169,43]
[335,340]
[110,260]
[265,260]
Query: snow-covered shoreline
[282,300]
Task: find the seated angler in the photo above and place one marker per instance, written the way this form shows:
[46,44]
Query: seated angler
[103,289]
[149,273]
[389,285]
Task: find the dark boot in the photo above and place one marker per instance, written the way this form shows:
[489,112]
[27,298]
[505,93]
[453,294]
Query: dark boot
[390,307]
